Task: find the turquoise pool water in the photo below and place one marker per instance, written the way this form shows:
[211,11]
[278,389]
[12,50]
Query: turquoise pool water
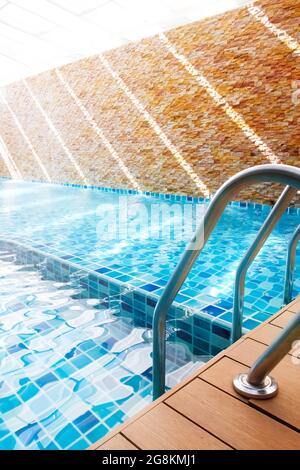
[69,222]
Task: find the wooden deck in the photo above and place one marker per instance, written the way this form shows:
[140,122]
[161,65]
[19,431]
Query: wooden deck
[204,412]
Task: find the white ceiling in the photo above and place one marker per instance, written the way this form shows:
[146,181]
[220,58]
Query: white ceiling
[37,35]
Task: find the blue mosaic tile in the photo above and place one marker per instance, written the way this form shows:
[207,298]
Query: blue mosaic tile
[4,431]
[103,270]
[213,310]
[9,403]
[81,444]
[86,422]
[97,433]
[226,317]
[149,287]
[116,419]
[249,324]
[8,443]
[46,379]
[223,332]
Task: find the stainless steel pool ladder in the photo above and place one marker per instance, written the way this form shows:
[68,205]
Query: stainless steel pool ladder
[283,174]
[257,383]
[290,267]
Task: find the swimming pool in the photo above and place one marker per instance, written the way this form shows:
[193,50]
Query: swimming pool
[78,288]
[66,221]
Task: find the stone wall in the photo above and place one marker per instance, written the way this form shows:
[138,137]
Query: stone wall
[176,113]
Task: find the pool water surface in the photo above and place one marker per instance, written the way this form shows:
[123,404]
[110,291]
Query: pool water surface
[66,221]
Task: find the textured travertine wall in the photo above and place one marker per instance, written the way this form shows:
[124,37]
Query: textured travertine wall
[144,117]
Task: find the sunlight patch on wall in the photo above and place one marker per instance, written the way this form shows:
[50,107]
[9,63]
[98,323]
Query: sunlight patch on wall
[281,34]
[98,131]
[156,128]
[26,138]
[9,161]
[56,133]
[221,101]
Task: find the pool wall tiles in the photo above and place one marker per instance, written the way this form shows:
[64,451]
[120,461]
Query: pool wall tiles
[203,333]
[241,58]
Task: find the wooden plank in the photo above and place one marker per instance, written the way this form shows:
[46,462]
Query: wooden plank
[231,420]
[222,373]
[266,334]
[248,351]
[294,306]
[164,429]
[282,320]
[118,442]
[285,406]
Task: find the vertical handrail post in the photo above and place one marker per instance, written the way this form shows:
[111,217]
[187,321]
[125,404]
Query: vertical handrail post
[290,267]
[264,232]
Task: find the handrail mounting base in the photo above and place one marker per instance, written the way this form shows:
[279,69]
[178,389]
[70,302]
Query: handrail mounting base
[268,389]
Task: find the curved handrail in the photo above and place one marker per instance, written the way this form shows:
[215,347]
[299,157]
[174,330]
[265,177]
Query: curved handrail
[290,266]
[254,249]
[283,174]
